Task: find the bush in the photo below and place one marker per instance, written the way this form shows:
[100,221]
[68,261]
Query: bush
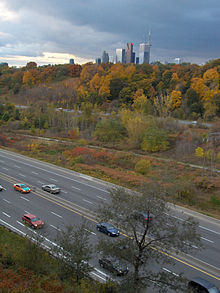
[155,140]
[74,133]
[215,201]
[142,166]
[82,141]
[109,130]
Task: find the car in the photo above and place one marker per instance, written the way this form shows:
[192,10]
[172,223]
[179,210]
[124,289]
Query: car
[107,229]
[1,187]
[32,221]
[142,216]
[197,285]
[51,188]
[113,265]
[21,187]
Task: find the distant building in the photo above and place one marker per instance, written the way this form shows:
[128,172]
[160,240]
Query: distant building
[105,57]
[111,59]
[129,53]
[133,57]
[144,51]
[98,61]
[178,60]
[120,56]
[71,61]
[137,60]
[4,64]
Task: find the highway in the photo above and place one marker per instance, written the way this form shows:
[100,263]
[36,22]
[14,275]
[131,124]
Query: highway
[80,196]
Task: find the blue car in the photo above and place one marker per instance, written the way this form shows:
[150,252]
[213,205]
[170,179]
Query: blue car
[107,229]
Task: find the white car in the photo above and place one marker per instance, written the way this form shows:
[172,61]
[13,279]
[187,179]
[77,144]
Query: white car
[1,187]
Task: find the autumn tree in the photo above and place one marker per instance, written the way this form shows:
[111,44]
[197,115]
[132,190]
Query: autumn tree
[135,124]
[149,239]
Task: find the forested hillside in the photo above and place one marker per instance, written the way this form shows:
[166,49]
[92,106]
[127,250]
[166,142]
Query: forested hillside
[185,91]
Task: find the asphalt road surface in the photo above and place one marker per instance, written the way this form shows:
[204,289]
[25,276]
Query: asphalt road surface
[80,195]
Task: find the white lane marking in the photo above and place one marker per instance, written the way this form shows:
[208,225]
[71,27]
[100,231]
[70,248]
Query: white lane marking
[40,182]
[6,200]
[174,217]
[170,272]
[191,245]
[56,215]
[166,270]
[55,227]
[6,215]
[64,191]
[53,179]
[86,177]
[100,272]
[96,187]
[27,212]
[209,230]
[207,239]
[101,197]
[25,198]
[54,173]
[22,175]
[89,231]
[17,166]
[5,168]
[35,173]
[104,279]
[88,201]
[20,223]
[76,188]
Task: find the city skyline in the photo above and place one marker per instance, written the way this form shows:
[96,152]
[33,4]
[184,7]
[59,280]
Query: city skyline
[51,32]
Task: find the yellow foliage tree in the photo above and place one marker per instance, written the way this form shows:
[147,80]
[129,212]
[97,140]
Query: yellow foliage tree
[199,152]
[175,99]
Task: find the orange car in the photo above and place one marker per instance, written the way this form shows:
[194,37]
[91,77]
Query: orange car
[21,187]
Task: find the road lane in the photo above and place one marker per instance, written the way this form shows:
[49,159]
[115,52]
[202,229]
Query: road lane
[80,201]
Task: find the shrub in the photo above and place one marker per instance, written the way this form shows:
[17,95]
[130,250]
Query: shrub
[155,140]
[74,133]
[76,160]
[82,141]
[142,166]
[109,130]
[204,183]
[215,201]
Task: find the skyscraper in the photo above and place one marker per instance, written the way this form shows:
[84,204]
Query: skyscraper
[105,57]
[144,51]
[71,61]
[120,56]
[129,53]
[98,61]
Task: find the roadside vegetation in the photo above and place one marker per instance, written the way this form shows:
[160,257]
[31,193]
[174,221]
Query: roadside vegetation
[25,267]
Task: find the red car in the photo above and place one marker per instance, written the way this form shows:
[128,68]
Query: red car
[32,221]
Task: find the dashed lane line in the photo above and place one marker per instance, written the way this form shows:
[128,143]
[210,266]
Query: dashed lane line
[25,198]
[6,215]
[56,215]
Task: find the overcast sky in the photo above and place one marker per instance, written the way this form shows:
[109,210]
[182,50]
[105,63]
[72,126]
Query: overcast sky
[53,31]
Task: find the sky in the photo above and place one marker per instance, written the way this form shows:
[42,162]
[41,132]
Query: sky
[53,31]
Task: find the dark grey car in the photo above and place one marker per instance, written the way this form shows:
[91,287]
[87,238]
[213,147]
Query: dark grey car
[51,188]
[113,265]
[200,285]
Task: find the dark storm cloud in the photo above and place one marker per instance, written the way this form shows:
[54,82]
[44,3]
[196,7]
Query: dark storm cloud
[85,28]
